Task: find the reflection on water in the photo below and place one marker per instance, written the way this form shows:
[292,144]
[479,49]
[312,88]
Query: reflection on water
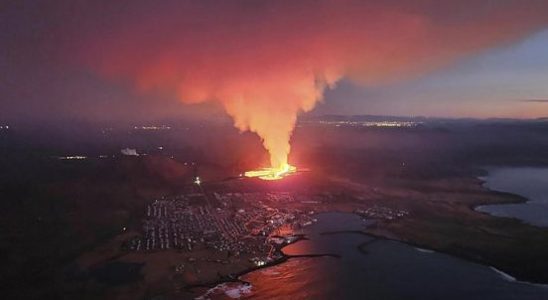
[531,183]
[384,270]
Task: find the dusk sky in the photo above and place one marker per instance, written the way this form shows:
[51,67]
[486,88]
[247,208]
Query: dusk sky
[506,81]
[97,60]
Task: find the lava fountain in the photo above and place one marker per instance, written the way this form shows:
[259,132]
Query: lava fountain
[272,173]
[267,62]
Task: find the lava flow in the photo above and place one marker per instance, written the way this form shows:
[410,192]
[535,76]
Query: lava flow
[272,173]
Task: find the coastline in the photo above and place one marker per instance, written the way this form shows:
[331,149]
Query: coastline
[425,248]
[511,278]
[235,278]
[375,238]
[444,202]
[513,212]
[362,247]
[515,198]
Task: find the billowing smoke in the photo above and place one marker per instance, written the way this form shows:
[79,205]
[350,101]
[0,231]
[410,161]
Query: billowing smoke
[267,61]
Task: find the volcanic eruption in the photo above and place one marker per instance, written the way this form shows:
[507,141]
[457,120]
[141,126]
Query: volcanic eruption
[267,61]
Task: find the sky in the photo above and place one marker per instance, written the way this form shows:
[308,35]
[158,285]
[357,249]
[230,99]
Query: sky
[139,60]
[507,81]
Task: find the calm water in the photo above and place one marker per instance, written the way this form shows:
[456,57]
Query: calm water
[531,183]
[387,270]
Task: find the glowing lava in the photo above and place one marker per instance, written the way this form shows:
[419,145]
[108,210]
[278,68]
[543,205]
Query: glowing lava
[268,62]
[272,173]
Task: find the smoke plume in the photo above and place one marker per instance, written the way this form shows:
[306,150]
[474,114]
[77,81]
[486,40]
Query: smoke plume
[267,61]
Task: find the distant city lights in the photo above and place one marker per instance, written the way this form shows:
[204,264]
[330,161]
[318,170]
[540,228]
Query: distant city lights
[129,152]
[386,124]
[160,127]
[73,157]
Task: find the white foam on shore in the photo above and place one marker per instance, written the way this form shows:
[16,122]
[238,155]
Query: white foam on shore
[237,292]
[424,250]
[230,290]
[511,278]
[504,276]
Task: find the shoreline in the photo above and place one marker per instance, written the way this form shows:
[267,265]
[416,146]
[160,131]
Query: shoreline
[522,200]
[498,198]
[454,254]
[511,278]
[519,199]
[375,238]
[235,278]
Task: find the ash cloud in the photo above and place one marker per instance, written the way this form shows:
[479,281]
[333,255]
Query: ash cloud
[267,61]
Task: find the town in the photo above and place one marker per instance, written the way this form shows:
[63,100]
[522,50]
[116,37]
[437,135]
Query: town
[257,224]
[235,223]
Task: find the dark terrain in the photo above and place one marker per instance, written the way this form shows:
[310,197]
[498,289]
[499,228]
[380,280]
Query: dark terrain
[54,210]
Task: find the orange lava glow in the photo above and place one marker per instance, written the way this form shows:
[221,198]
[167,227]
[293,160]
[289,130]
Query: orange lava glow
[268,62]
[272,173]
